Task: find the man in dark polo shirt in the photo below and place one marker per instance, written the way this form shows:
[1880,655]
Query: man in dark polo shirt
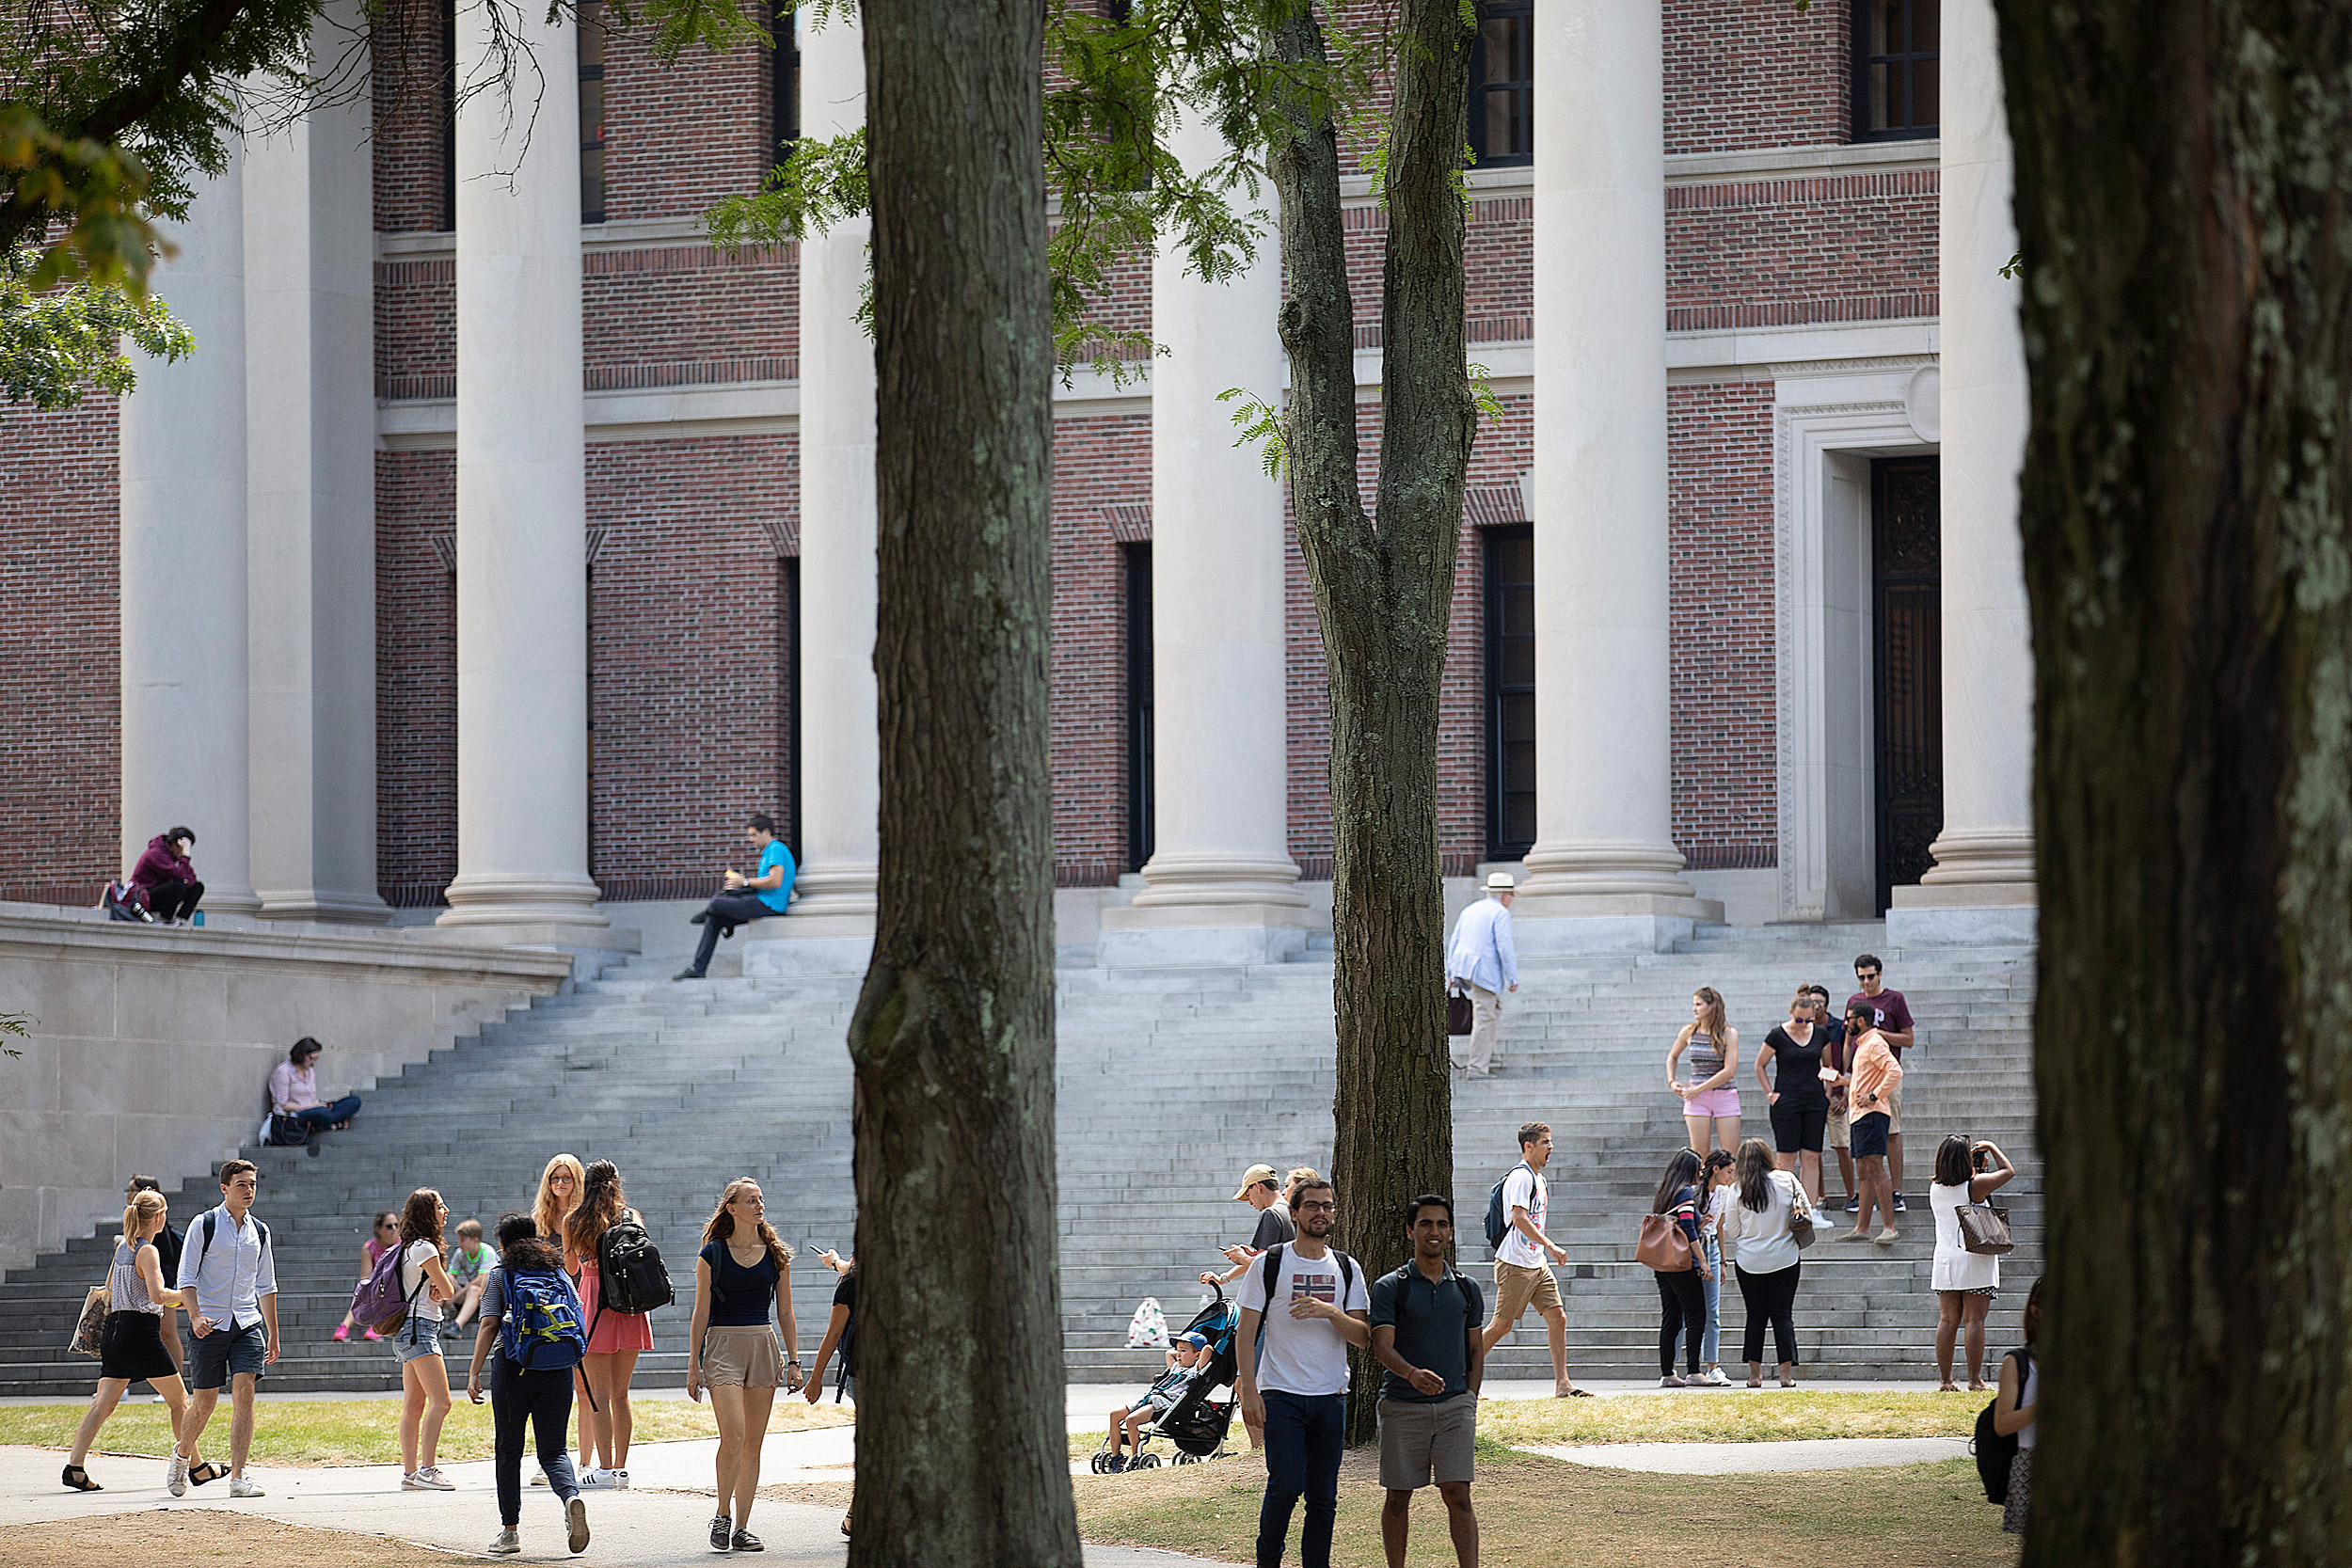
[1425,1330]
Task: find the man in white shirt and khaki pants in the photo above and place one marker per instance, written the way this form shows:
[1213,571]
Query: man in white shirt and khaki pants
[1482,958]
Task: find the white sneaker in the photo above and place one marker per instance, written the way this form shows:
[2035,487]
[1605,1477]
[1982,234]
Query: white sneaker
[616,1478]
[538,1477]
[507,1545]
[176,1478]
[575,1523]
[586,1480]
[1670,1381]
[240,1487]
[1714,1378]
[426,1480]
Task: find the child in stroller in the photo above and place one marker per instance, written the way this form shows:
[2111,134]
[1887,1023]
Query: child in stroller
[1179,1405]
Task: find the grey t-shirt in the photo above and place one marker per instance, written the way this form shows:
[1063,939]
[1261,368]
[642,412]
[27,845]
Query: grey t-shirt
[1273,1226]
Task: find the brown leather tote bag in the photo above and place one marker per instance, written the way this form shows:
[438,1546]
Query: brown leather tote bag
[1663,1245]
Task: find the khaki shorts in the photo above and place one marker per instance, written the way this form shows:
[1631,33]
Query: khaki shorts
[1421,1443]
[1894,1108]
[1838,1135]
[1517,1288]
[741,1358]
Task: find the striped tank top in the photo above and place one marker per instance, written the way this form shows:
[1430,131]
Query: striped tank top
[1706,1058]
[130,1290]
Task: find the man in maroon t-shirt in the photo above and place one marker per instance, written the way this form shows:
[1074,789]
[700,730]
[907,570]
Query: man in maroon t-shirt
[1892,1015]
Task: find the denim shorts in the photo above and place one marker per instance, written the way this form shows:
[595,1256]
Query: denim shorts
[213,1359]
[415,1340]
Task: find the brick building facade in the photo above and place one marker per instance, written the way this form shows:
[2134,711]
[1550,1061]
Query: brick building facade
[1801,246]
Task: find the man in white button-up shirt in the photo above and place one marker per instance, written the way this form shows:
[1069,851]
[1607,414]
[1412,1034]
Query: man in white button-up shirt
[1481,958]
[227,1266]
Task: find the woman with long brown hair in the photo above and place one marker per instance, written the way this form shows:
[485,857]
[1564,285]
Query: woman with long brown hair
[1710,1096]
[733,1351]
[616,1339]
[132,1348]
[416,1343]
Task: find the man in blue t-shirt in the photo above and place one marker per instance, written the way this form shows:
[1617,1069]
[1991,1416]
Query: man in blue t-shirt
[764,892]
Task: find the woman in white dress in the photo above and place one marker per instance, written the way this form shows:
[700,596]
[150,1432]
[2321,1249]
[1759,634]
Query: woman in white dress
[1964,1281]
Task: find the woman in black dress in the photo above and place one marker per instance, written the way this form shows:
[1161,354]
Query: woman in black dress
[132,1348]
[1797,1100]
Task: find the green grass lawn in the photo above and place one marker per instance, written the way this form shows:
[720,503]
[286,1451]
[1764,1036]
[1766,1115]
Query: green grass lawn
[1542,1511]
[359,1432]
[1705,1416]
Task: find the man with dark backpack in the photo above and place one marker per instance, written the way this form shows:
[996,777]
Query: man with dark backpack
[532,1313]
[1516,1208]
[1307,1303]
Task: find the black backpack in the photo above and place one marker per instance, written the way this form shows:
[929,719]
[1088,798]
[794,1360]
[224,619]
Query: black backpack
[629,1273]
[1994,1452]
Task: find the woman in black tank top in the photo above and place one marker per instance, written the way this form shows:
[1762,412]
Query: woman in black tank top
[1789,1068]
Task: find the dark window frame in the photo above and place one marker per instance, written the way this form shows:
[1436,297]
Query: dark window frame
[448,115]
[1523,88]
[790,569]
[1493,586]
[1142,740]
[591,16]
[1907,61]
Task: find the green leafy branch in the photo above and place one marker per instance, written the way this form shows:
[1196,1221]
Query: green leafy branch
[57,344]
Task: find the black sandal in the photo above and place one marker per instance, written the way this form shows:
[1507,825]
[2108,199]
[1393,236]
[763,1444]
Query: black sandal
[84,1485]
[205,1474]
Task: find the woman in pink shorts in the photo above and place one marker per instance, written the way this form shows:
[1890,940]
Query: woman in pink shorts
[1708,1099]
[616,1339]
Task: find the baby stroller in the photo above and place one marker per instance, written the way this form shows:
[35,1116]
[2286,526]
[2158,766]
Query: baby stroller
[1195,1425]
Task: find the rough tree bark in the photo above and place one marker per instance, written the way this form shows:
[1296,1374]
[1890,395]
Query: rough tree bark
[961,1455]
[1384,589]
[2182,174]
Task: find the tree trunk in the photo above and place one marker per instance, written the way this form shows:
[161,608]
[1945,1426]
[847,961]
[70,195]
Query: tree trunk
[961,1451]
[2183,168]
[1384,590]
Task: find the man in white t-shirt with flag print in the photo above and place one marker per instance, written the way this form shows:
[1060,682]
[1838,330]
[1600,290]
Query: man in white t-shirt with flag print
[1298,1390]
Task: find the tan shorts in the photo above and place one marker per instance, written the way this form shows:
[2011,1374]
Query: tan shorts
[1421,1443]
[1894,1108]
[1517,1288]
[745,1357]
[1839,1135]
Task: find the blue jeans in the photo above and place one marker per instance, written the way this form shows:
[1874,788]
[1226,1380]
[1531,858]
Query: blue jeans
[1304,1434]
[1711,1342]
[321,1117]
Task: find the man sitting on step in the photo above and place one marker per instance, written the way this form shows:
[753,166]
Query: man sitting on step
[764,892]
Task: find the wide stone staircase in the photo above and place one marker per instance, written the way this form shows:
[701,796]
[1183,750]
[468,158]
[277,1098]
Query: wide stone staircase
[1171,1083]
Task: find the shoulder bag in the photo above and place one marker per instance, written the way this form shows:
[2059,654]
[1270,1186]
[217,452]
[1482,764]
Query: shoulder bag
[1460,1016]
[1984,1229]
[1662,1245]
[89,1328]
[1801,1228]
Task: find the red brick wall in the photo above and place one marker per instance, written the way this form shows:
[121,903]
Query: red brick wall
[415,677]
[1718,506]
[689,315]
[61,793]
[1777,252]
[1098,462]
[678,137]
[1752,74]
[416,328]
[687,648]
[407,62]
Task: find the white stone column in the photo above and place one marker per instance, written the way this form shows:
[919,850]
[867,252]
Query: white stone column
[832,919]
[1604,855]
[183,562]
[1222,885]
[1982,886]
[311,401]
[522,586]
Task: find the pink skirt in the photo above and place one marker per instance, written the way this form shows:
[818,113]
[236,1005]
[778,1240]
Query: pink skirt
[610,1331]
[1714,1102]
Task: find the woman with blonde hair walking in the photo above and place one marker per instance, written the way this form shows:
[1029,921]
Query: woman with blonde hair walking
[733,1351]
[1710,1099]
[616,1339]
[416,1343]
[132,1348]
[559,1194]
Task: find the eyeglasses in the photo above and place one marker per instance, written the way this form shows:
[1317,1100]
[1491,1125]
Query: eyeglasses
[1866,973]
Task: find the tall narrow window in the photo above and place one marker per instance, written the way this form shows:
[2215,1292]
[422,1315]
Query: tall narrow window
[785,79]
[1141,804]
[448,116]
[1898,82]
[1503,84]
[1510,552]
[592,112]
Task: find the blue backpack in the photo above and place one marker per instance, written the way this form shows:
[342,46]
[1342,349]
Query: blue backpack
[1497,1222]
[541,1331]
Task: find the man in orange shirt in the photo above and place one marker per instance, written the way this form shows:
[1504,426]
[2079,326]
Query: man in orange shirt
[1872,1085]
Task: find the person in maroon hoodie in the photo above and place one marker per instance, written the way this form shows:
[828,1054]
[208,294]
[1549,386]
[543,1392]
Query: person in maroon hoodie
[166,876]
